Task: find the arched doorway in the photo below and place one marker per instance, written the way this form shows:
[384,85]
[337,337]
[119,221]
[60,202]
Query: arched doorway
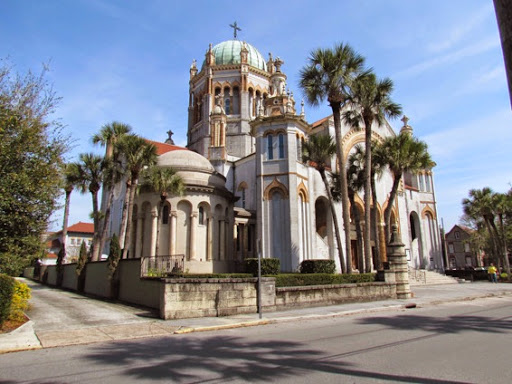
[324,229]
[416,240]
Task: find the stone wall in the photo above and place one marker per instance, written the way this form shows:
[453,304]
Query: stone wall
[317,295]
[185,298]
[135,290]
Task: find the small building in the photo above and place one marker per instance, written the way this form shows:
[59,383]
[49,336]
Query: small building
[77,233]
[459,251]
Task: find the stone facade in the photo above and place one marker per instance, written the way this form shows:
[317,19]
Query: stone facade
[247,187]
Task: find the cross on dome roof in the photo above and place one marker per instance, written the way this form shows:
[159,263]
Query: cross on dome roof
[235,28]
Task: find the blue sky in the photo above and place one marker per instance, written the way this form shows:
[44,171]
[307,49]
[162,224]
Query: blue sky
[128,60]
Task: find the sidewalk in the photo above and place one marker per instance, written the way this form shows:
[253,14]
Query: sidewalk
[32,336]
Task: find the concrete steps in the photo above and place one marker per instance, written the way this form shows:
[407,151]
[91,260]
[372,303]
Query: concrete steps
[424,277]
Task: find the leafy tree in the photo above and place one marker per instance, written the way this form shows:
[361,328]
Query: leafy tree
[318,150]
[369,102]
[328,75]
[355,180]
[82,259]
[137,153]
[109,136]
[402,153]
[163,181]
[31,150]
[91,170]
[114,255]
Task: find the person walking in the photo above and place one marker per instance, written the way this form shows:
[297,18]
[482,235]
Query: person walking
[491,271]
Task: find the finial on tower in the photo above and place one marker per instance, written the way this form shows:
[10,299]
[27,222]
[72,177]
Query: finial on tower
[406,128]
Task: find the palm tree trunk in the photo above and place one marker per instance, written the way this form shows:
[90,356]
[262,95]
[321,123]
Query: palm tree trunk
[335,220]
[124,216]
[160,213]
[389,207]
[367,195]
[129,222]
[106,219]
[359,235]
[95,238]
[65,223]
[505,250]
[345,205]
[375,225]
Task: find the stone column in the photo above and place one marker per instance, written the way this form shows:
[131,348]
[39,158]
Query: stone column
[398,271]
[209,239]
[172,230]
[193,228]
[222,245]
[154,228]
[138,240]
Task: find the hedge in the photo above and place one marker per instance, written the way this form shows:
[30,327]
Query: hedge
[318,266]
[210,275]
[6,293]
[269,266]
[302,279]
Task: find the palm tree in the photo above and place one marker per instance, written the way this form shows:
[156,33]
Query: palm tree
[480,207]
[369,101]
[328,75]
[318,150]
[502,206]
[71,178]
[355,180]
[137,154]
[163,181]
[90,169]
[377,170]
[402,153]
[109,136]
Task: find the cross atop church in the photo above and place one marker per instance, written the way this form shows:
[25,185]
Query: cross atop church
[235,28]
[405,119]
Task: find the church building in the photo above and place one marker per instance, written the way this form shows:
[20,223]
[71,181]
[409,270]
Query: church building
[247,188]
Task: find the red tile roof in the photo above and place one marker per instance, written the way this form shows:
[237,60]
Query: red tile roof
[162,148]
[319,122]
[81,227]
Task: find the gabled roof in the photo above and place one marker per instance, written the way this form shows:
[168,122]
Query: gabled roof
[162,148]
[462,228]
[321,121]
[81,228]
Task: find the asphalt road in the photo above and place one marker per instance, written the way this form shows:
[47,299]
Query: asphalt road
[465,342]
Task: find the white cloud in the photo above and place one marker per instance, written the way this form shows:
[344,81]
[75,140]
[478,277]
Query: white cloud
[461,30]
[450,58]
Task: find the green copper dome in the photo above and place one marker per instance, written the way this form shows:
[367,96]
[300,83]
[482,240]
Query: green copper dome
[228,52]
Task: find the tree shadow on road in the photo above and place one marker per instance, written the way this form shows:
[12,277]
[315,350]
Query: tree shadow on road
[447,325]
[190,359]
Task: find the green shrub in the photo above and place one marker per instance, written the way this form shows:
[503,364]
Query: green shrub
[19,302]
[318,266]
[303,279]
[212,275]
[268,266]
[6,293]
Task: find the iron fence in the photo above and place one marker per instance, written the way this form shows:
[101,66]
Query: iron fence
[162,265]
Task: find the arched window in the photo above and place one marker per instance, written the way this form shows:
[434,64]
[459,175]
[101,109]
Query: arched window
[201,216]
[227,106]
[270,148]
[281,145]
[165,215]
[236,101]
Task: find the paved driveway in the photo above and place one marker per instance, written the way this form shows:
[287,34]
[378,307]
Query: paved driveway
[55,309]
